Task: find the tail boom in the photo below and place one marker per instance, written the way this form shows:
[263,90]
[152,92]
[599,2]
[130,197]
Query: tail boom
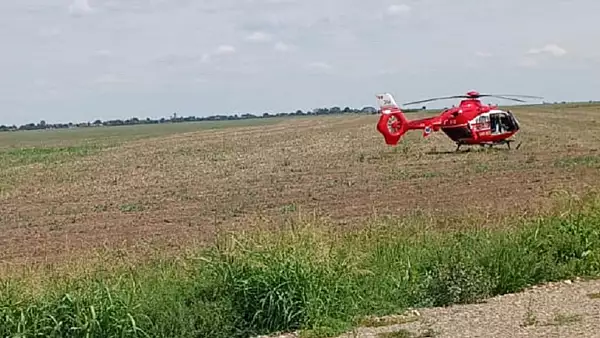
[393,124]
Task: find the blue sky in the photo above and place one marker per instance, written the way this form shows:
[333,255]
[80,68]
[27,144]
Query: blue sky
[79,60]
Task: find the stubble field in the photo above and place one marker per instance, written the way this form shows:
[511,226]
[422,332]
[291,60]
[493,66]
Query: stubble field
[141,192]
[138,187]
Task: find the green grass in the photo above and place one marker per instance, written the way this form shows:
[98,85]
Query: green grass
[591,161]
[310,279]
[14,160]
[24,156]
[118,134]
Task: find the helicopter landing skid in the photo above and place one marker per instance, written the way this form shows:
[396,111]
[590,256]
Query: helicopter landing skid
[490,144]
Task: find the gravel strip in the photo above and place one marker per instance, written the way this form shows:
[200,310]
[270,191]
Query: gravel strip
[562,309]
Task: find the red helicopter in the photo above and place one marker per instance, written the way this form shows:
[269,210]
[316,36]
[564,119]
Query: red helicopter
[471,123]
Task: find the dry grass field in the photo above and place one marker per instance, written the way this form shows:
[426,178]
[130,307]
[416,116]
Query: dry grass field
[70,193]
[236,229]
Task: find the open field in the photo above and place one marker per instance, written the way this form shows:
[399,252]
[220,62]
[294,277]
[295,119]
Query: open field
[116,135]
[148,186]
[333,211]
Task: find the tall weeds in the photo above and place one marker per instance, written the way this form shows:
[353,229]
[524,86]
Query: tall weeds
[306,280]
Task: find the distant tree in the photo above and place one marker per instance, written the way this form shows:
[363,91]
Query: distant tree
[175,118]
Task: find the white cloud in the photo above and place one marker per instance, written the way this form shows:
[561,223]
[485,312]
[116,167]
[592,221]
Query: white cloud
[549,49]
[398,9]
[225,50]
[319,66]
[281,1]
[41,83]
[161,46]
[110,78]
[49,32]
[527,62]
[205,58]
[283,47]
[221,50]
[80,7]
[259,37]
[103,53]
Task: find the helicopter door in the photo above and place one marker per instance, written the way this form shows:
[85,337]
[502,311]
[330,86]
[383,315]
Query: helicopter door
[501,123]
[495,125]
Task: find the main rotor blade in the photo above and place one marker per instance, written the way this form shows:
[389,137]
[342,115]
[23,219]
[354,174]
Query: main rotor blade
[437,98]
[506,95]
[505,98]
[502,96]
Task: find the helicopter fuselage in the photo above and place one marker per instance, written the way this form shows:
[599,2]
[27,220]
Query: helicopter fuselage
[470,123]
[473,123]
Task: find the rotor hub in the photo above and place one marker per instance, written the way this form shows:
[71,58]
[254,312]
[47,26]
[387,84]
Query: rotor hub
[393,124]
[473,94]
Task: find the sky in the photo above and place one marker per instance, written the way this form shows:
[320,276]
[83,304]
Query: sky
[81,60]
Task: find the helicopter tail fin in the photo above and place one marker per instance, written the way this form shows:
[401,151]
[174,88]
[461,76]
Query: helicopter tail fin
[392,122]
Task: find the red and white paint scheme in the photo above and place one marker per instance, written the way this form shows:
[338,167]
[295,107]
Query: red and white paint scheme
[471,123]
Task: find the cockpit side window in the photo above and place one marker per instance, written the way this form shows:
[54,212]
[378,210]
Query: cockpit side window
[483,121]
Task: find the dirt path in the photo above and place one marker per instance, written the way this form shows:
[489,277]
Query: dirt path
[565,309]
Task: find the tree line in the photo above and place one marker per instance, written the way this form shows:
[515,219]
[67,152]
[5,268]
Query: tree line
[177,119]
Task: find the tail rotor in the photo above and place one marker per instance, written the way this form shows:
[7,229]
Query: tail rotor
[392,122]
